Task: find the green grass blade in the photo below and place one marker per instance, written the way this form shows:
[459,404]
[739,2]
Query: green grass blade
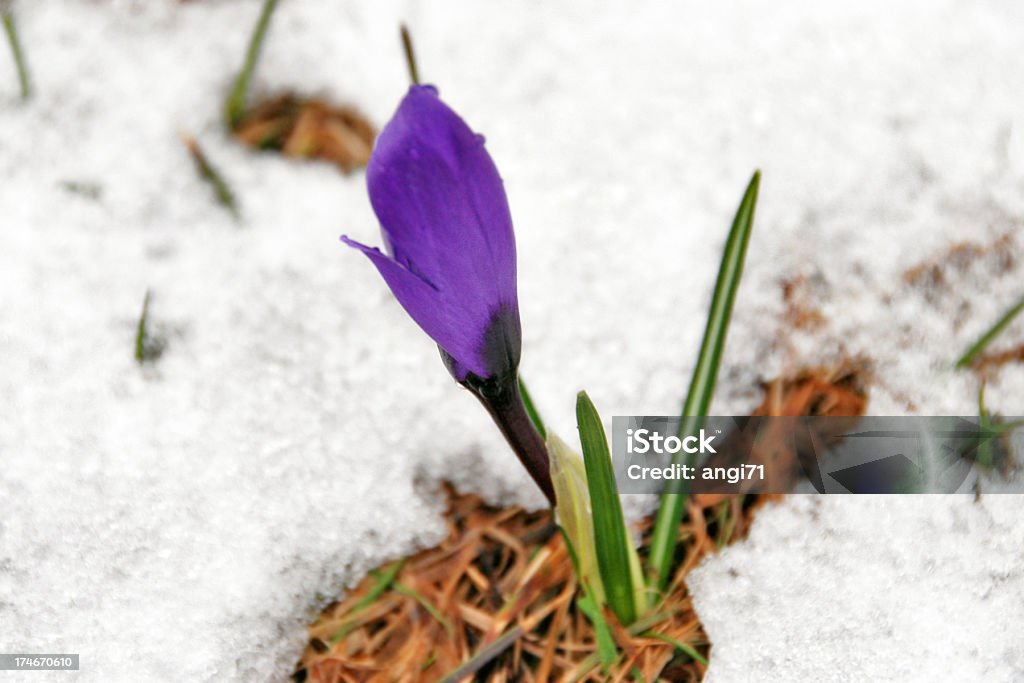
[590,604]
[641,625]
[535,418]
[410,592]
[999,428]
[979,346]
[574,514]
[610,538]
[384,578]
[235,106]
[702,386]
[607,652]
[990,429]
[19,56]
[141,331]
[209,174]
[984,456]
[682,647]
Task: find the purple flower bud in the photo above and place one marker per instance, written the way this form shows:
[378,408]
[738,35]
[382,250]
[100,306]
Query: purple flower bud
[450,252]
[450,257]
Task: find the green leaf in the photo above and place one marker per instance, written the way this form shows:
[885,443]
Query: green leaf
[431,609]
[16,52]
[572,505]
[209,173]
[641,625]
[990,429]
[384,578]
[235,106]
[611,540]
[589,604]
[535,418]
[682,647]
[984,456]
[702,385]
[141,331]
[607,652]
[979,346]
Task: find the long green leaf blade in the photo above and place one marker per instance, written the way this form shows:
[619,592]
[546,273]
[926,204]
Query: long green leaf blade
[385,578]
[574,514]
[590,604]
[531,410]
[607,651]
[16,52]
[679,645]
[235,105]
[979,346]
[432,610]
[141,331]
[702,385]
[610,538]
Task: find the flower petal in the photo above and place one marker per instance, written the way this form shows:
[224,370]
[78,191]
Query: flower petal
[454,331]
[442,205]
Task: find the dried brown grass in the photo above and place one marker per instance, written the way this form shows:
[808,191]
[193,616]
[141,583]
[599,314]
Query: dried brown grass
[309,128]
[836,391]
[500,572]
[496,600]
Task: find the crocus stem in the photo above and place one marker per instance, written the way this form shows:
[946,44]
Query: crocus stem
[505,404]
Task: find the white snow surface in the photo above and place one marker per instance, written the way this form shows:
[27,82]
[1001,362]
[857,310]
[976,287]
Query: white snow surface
[183,522]
[827,591]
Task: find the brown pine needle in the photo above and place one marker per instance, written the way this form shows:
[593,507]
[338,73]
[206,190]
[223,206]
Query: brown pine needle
[504,585]
[534,631]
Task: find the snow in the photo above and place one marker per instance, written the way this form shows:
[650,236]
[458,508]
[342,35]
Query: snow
[181,522]
[817,593]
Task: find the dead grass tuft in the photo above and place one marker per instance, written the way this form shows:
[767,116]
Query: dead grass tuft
[308,128]
[798,294]
[940,276]
[987,362]
[496,600]
[837,391]
[501,584]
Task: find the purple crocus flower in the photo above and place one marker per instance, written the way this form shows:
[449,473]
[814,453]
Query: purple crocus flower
[450,256]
